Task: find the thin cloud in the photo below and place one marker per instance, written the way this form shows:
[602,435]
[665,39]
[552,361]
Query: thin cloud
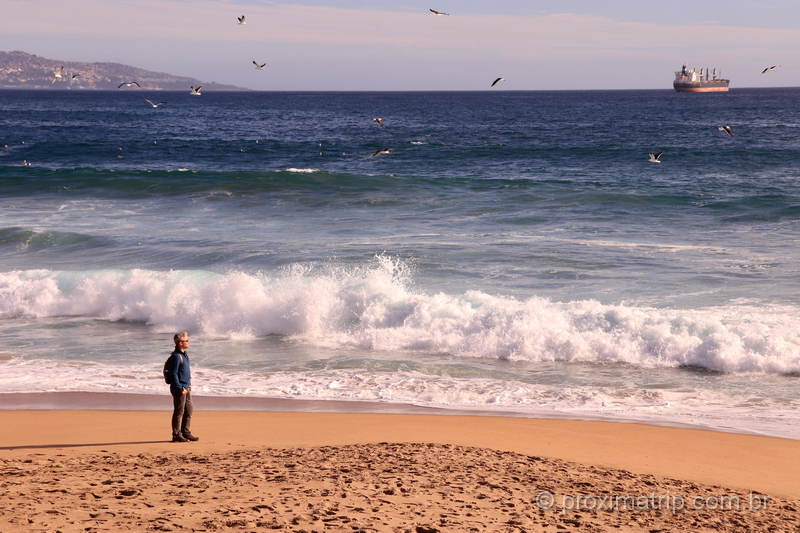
[517,42]
[215,20]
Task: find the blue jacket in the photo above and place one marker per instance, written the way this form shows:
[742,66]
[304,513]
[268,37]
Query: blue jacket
[181,374]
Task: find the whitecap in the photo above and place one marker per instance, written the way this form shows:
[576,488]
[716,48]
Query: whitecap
[376,308]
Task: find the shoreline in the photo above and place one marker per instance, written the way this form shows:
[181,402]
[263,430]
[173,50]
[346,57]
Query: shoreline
[122,401]
[82,400]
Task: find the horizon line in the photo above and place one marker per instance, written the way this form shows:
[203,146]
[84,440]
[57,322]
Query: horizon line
[246,90]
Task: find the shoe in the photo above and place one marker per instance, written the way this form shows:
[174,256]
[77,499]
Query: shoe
[189,436]
[179,438]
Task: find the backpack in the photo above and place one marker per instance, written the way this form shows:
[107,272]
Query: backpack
[168,368]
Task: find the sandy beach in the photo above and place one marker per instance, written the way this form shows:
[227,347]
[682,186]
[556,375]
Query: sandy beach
[102,470]
[415,268]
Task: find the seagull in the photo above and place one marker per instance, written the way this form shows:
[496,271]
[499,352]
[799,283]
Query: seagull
[74,77]
[128,84]
[26,163]
[495,82]
[439,13]
[58,75]
[240,20]
[655,158]
[381,151]
[378,121]
[769,69]
[195,91]
[727,129]
[259,67]
[154,105]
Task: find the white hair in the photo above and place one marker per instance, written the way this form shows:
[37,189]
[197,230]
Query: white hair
[180,335]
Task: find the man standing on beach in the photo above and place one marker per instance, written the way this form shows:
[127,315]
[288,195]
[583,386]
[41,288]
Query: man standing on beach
[180,385]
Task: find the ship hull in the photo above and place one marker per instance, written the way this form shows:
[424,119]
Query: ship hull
[701,87]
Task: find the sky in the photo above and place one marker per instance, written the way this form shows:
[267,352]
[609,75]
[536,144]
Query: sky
[400,45]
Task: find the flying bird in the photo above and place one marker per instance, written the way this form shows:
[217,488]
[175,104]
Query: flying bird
[128,84]
[259,67]
[727,129]
[381,151]
[439,13]
[240,20]
[154,105]
[654,158]
[769,69]
[495,82]
[378,121]
[74,77]
[58,75]
[195,91]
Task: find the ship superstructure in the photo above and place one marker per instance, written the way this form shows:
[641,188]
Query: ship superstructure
[703,80]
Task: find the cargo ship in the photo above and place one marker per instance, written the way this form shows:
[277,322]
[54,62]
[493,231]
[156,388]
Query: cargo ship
[704,80]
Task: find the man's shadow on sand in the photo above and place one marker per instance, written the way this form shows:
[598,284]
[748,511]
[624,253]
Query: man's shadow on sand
[35,446]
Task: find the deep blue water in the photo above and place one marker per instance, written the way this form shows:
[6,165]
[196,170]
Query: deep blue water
[503,228]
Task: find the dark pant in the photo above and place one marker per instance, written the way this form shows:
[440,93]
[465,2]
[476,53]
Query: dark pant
[181,412]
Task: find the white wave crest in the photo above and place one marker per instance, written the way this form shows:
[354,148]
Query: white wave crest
[303,170]
[376,308]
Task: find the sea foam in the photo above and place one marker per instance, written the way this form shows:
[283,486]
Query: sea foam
[722,410]
[377,307]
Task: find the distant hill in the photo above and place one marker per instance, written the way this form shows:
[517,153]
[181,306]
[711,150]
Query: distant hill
[20,70]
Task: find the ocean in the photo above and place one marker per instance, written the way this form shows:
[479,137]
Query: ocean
[512,252]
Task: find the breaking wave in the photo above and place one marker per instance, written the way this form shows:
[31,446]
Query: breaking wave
[376,307]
